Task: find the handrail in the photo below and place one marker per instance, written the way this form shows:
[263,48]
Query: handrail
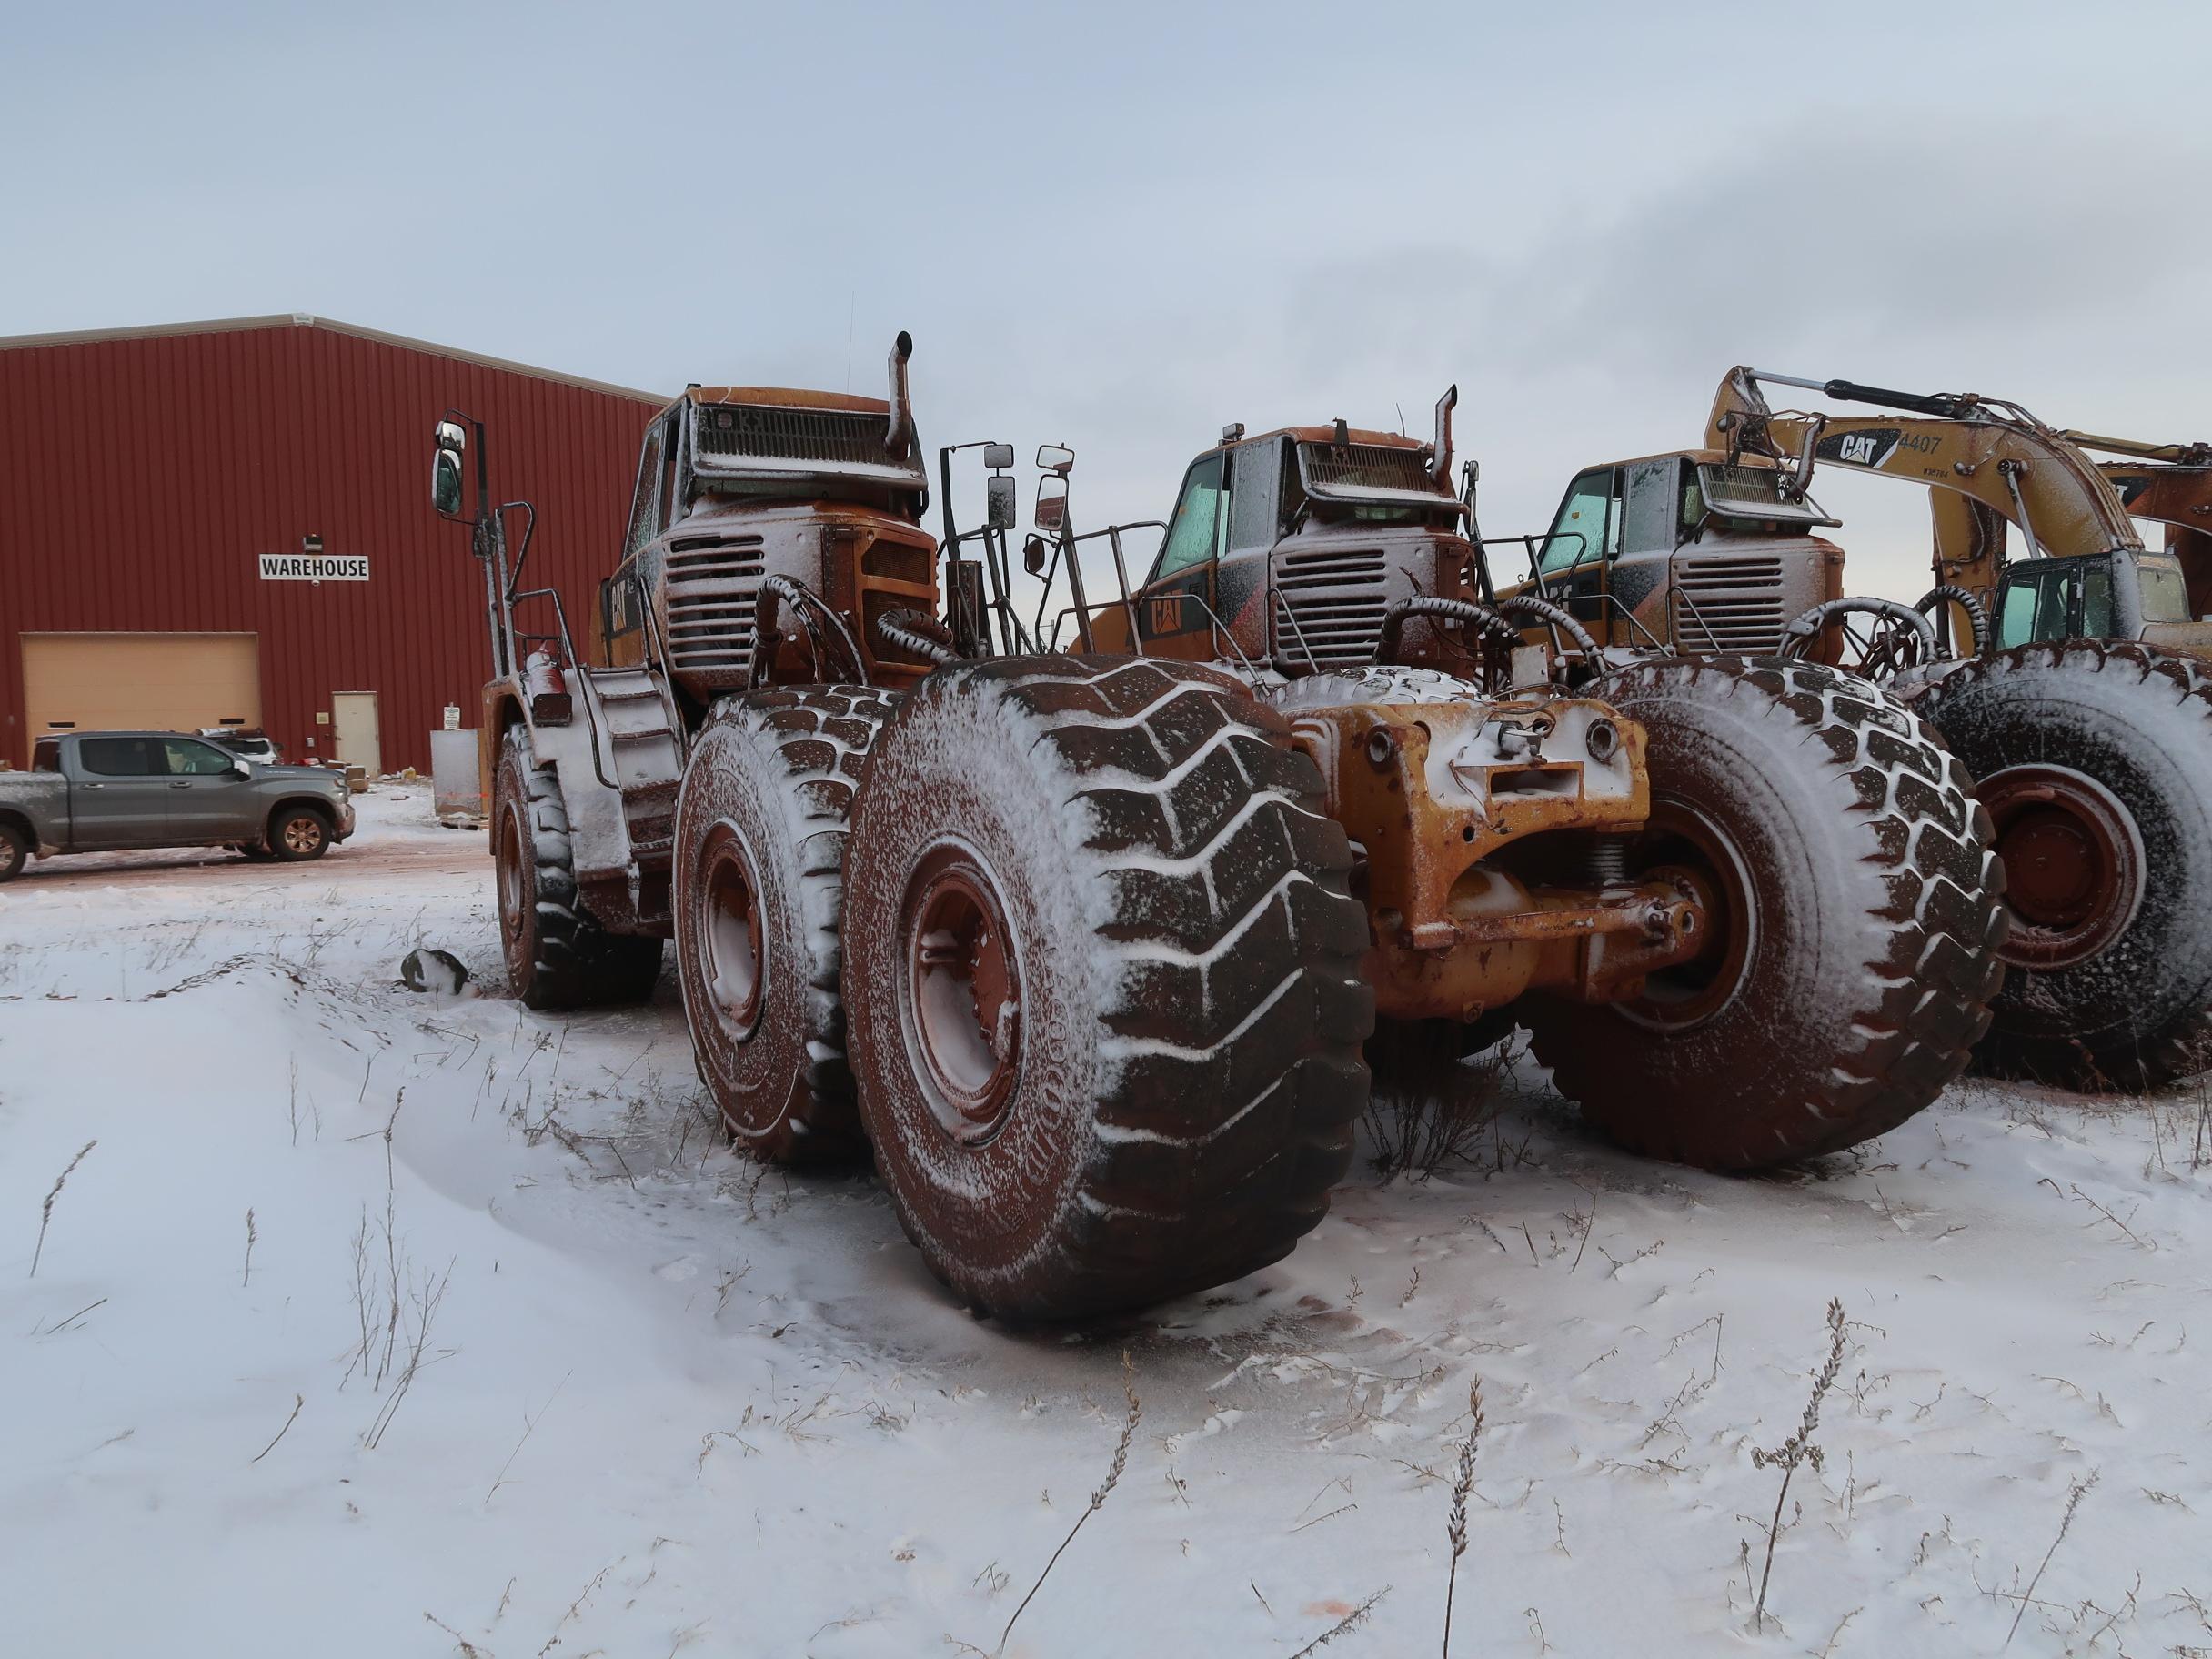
[1066,545]
[659,648]
[1680,599]
[1219,629]
[567,646]
[1528,543]
[1277,601]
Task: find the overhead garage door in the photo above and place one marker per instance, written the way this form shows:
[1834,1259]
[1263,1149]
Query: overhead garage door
[174,682]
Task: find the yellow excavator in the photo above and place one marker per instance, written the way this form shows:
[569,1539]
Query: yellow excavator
[1992,471]
[2072,679]
[2171,485]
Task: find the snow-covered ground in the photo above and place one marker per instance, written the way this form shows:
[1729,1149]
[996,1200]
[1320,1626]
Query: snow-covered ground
[640,1398]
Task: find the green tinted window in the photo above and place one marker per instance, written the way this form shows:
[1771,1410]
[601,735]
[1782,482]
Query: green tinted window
[1194,531]
[1580,535]
[2016,624]
[2057,598]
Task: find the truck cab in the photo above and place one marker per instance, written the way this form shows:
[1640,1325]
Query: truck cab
[1290,546]
[1687,551]
[735,484]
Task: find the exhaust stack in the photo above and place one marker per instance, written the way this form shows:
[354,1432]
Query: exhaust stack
[901,430]
[1440,467]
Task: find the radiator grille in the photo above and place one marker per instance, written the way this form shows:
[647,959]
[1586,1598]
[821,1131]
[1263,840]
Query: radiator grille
[712,586]
[1729,604]
[1368,466]
[829,437]
[1335,599]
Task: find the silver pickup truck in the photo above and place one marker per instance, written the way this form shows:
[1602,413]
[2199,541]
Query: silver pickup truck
[104,791]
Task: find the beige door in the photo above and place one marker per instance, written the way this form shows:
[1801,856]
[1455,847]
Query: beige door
[168,682]
[353,714]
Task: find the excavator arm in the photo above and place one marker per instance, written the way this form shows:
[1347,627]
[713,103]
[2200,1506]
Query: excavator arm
[1986,464]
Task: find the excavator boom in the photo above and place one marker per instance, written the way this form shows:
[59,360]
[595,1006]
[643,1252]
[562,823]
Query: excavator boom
[1987,465]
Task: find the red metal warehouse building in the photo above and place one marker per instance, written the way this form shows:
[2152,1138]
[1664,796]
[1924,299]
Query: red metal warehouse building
[162,489]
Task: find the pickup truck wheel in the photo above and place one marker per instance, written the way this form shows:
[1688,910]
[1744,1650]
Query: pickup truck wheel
[558,955]
[299,833]
[15,853]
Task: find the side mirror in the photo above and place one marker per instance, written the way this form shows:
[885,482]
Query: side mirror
[1051,515]
[1033,555]
[242,768]
[1055,458]
[446,466]
[1002,502]
[998,457]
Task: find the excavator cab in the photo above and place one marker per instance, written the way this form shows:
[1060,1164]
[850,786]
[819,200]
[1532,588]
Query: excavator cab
[2083,597]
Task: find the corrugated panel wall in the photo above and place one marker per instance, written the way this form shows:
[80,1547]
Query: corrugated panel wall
[141,477]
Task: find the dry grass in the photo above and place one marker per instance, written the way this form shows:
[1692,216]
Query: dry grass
[46,1210]
[1429,1107]
[1098,1497]
[1798,1448]
[1455,1528]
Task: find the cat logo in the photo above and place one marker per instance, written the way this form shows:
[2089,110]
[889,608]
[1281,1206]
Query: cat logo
[1167,615]
[1870,448]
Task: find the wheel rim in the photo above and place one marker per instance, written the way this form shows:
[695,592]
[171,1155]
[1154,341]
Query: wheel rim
[507,865]
[11,856]
[2073,863]
[960,998]
[302,834]
[729,919]
[1685,847]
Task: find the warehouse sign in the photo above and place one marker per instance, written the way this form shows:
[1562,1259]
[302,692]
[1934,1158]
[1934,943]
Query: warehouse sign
[315,567]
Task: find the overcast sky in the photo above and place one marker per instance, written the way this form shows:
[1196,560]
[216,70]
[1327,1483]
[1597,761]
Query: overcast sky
[1123,226]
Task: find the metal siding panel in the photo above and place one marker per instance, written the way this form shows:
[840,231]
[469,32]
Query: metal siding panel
[250,437]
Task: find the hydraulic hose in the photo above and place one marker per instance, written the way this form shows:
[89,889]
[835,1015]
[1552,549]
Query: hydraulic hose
[1450,611]
[1543,610]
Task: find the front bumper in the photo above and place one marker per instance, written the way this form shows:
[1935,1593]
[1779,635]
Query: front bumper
[346,821]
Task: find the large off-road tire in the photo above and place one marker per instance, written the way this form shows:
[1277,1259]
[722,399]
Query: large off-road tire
[758,885]
[1854,919]
[2093,759]
[558,956]
[1103,977]
[15,853]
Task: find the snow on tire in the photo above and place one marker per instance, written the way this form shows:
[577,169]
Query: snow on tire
[1855,917]
[1102,971]
[2094,760]
[558,955]
[760,829]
